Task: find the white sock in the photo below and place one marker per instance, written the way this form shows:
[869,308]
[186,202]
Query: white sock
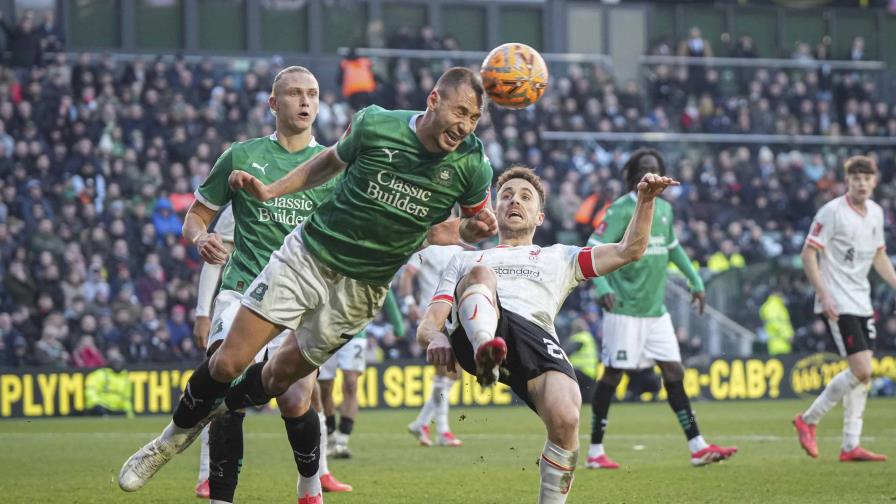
[831,395]
[308,486]
[429,407]
[556,467]
[323,445]
[697,443]
[203,455]
[442,404]
[216,501]
[595,450]
[853,409]
[478,315]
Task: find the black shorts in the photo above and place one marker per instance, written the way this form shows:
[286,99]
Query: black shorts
[851,334]
[531,351]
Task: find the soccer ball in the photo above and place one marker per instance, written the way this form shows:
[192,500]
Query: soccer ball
[514,75]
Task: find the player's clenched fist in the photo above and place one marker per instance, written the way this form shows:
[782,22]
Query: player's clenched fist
[439,352]
[211,248]
[479,227]
[242,180]
[653,185]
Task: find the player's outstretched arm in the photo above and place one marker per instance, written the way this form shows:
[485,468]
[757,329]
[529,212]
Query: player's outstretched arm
[809,255]
[431,337]
[307,175]
[612,256]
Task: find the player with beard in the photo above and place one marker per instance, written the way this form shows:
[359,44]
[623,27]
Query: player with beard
[500,305]
[404,171]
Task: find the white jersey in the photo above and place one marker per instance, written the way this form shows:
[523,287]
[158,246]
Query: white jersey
[533,282]
[429,264]
[847,240]
[225,224]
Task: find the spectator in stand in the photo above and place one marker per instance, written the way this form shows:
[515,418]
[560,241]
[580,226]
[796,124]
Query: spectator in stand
[24,41]
[357,79]
[86,354]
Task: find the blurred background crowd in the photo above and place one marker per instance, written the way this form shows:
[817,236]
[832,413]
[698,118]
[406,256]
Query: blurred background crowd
[100,155]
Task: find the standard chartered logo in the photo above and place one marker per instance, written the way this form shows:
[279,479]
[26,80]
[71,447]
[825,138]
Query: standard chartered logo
[289,211]
[399,194]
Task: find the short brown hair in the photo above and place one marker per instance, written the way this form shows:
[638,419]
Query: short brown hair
[288,70]
[525,173]
[860,164]
[457,76]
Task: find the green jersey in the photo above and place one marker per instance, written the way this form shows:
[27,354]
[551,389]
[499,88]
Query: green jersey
[260,227]
[392,192]
[640,287]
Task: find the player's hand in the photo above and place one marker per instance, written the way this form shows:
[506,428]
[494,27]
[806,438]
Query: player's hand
[439,352]
[242,180]
[829,307]
[607,301]
[446,233]
[200,331]
[479,227]
[653,185]
[699,299]
[211,248]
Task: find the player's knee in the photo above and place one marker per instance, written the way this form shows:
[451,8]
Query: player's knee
[350,386]
[611,376]
[481,274]
[862,372]
[672,371]
[224,367]
[293,403]
[565,424]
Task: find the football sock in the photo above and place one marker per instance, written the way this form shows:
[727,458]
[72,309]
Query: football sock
[248,390]
[853,409]
[324,469]
[478,315]
[600,407]
[203,455]
[331,424]
[681,405]
[429,407]
[832,394]
[595,450]
[304,439]
[346,424]
[202,395]
[556,467]
[225,454]
[441,398]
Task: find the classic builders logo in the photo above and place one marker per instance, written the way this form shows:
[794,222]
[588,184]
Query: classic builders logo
[291,211]
[399,193]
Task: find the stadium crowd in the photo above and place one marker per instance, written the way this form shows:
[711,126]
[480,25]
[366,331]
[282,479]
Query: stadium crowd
[99,159]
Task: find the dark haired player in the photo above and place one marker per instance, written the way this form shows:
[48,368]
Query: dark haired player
[499,306]
[637,330]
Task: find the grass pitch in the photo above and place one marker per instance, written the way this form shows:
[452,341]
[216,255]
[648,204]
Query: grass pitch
[77,460]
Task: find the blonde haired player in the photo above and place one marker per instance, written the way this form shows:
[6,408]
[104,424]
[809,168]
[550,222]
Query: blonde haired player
[846,239]
[499,306]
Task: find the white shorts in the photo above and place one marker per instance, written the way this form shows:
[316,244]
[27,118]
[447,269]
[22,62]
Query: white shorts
[325,309]
[227,303]
[348,358]
[637,342]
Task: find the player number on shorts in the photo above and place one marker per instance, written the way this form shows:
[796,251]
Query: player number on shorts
[872,331]
[555,351]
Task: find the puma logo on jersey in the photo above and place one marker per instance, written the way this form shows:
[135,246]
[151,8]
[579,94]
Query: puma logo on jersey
[259,167]
[390,153]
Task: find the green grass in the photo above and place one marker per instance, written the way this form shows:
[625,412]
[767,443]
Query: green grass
[77,460]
